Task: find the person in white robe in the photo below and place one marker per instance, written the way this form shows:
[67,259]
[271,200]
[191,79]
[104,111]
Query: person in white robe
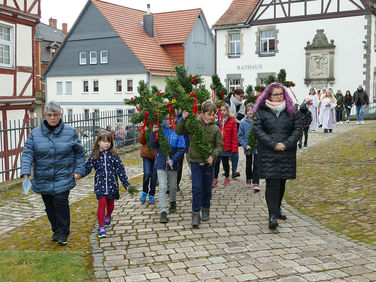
[320,109]
[328,104]
[313,102]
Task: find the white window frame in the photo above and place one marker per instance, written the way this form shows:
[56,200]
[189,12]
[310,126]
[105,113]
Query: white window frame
[267,40]
[232,85]
[92,62]
[93,89]
[80,58]
[66,87]
[102,57]
[126,89]
[234,45]
[116,88]
[83,86]
[57,88]
[10,43]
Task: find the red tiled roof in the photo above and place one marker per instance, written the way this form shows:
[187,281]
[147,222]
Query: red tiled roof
[169,28]
[174,27]
[238,12]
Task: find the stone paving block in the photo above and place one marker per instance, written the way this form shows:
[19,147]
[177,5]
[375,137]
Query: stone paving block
[152,276]
[292,279]
[210,275]
[116,273]
[336,273]
[197,262]
[176,265]
[197,269]
[245,277]
[135,278]
[117,279]
[186,277]
[356,270]
[138,270]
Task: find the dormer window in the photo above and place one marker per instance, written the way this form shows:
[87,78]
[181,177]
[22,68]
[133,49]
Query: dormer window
[93,57]
[82,59]
[104,57]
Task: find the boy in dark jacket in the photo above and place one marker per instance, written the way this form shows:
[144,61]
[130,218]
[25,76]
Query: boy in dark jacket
[203,169]
[167,167]
[306,117]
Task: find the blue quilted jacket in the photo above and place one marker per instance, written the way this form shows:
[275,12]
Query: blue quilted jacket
[56,155]
[107,171]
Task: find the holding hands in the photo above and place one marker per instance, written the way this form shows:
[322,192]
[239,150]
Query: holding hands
[185,114]
[280,147]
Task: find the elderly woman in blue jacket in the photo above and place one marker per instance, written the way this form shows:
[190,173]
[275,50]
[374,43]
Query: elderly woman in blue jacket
[167,167]
[59,159]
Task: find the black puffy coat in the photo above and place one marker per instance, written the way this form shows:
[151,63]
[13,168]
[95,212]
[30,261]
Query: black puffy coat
[269,131]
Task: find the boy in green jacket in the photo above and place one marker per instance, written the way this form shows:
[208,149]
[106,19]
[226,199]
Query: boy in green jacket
[203,169]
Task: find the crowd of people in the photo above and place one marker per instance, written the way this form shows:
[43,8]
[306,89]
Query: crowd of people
[269,131]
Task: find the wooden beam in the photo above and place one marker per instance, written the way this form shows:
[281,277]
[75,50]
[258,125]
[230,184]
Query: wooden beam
[26,85]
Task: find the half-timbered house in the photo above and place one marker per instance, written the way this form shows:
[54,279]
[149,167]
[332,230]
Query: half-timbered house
[320,43]
[18,19]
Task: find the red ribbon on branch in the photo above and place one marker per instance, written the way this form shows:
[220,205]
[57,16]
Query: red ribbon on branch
[220,117]
[194,80]
[194,108]
[292,92]
[223,97]
[260,91]
[146,113]
[172,120]
[135,105]
[156,133]
[160,93]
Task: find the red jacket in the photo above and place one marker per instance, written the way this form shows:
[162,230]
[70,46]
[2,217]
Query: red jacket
[230,135]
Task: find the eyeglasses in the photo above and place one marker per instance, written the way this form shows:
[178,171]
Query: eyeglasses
[52,115]
[277,95]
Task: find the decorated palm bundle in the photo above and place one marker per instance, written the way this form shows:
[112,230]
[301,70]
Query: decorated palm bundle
[252,141]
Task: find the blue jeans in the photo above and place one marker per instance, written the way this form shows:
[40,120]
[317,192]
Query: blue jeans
[235,161]
[360,112]
[339,116]
[150,174]
[202,181]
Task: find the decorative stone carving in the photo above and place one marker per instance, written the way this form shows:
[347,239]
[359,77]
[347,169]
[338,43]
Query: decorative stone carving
[320,61]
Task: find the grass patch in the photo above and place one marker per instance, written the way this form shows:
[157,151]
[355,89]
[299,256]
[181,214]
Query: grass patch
[43,266]
[335,184]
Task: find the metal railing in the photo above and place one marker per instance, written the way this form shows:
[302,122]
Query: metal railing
[13,135]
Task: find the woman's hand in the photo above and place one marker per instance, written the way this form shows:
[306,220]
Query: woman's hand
[209,160]
[77,176]
[280,147]
[169,162]
[184,114]
[155,127]
[248,148]
[25,176]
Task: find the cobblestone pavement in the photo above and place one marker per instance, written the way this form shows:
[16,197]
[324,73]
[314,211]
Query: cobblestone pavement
[235,245]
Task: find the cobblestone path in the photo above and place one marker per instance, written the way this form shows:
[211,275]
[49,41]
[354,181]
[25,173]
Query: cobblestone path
[235,245]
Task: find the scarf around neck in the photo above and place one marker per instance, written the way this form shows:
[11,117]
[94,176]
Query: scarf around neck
[276,107]
[234,103]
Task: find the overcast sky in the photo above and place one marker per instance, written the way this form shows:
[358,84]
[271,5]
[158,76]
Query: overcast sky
[67,11]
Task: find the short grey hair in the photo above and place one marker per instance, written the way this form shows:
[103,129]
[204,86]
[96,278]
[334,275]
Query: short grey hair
[53,107]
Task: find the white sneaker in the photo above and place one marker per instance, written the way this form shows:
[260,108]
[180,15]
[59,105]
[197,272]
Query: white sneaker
[347,121]
[340,122]
[362,122]
[357,122]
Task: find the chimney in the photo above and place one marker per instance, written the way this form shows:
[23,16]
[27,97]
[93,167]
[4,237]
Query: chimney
[149,23]
[64,28]
[53,22]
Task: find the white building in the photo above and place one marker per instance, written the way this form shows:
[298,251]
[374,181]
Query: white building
[111,48]
[320,43]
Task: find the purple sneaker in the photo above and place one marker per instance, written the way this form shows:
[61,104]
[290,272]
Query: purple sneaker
[102,232]
[107,221]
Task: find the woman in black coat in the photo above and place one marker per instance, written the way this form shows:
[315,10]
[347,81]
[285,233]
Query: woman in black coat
[277,127]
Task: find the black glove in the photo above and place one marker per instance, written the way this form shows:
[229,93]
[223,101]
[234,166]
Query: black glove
[240,116]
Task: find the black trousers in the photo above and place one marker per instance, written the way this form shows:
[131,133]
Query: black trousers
[251,171]
[180,171]
[275,189]
[305,133]
[58,213]
[226,166]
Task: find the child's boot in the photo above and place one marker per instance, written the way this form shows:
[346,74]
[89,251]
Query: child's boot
[151,199]
[107,221]
[227,181]
[256,188]
[143,197]
[172,207]
[205,214]
[102,232]
[215,182]
[196,219]
[248,184]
